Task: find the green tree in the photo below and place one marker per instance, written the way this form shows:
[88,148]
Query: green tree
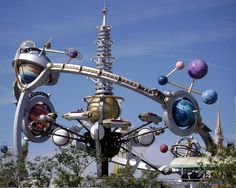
[222,167]
[13,172]
[41,170]
[65,169]
[125,178]
[70,165]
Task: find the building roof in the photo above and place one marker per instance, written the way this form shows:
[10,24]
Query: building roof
[188,162]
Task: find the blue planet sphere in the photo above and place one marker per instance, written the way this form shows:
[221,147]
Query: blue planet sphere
[4,149]
[162,80]
[209,96]
[183,114]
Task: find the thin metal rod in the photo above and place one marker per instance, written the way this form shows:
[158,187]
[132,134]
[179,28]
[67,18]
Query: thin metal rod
[191,86]
[72,132]
[143,160]
[186,89]
[136,129]
[53,51]
[171,72]
[135,136]
[77,139]
[81,123]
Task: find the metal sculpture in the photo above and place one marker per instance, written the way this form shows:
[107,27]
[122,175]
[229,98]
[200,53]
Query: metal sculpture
[35,115]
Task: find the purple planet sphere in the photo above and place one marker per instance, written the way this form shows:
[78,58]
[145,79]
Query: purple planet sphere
[72,53]
[197,69]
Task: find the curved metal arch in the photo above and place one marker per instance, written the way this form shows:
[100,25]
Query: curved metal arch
[153,94]
[19,123]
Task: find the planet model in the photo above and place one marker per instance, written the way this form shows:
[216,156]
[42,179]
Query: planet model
[197,69]
[37,110]
[163,148]
[144,138]
[29,72]
[72,53]
[179,65]
[4,149]
[60,137]
[162,80]
[183,113]
[209,96]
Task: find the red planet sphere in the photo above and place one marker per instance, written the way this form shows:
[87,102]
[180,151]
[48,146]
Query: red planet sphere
[163,148]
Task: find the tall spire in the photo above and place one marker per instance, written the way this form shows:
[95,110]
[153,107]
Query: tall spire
[104,12]
[104,58]
[219,137]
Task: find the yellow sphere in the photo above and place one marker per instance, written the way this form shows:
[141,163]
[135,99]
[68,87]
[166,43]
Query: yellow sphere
[111,108]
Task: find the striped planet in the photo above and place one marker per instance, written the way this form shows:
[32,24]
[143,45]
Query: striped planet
[29,72]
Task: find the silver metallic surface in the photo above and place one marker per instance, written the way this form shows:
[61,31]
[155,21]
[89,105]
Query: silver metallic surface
[103,58]
[17,148]
[168,115]
[25,127]
[155,95]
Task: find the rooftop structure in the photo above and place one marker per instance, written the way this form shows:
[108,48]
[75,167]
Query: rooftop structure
[219,137]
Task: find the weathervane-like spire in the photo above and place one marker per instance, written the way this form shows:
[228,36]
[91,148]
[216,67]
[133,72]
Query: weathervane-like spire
[219,137]
[104,12]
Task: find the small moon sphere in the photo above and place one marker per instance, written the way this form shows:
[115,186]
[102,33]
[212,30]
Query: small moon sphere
[145,138]
[96,128]
[72,53]
[209,96]
[60,137]
[162,80]
[163,148]
[4,149]
[197,69]
[179,65]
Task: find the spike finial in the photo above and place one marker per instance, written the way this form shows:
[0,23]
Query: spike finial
[104,12]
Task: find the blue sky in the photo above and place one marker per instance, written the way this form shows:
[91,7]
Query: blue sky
[150,36]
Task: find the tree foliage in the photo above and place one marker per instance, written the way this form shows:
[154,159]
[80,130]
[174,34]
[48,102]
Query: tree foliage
[222,167]
[66,169]
[125,178]
[12,172]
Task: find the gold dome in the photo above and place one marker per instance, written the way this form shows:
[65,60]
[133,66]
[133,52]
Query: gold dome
[111,108]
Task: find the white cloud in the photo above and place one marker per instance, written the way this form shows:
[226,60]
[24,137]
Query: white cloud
[159,47]
[143,10]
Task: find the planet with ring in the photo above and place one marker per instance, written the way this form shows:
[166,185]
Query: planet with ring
[183,113]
